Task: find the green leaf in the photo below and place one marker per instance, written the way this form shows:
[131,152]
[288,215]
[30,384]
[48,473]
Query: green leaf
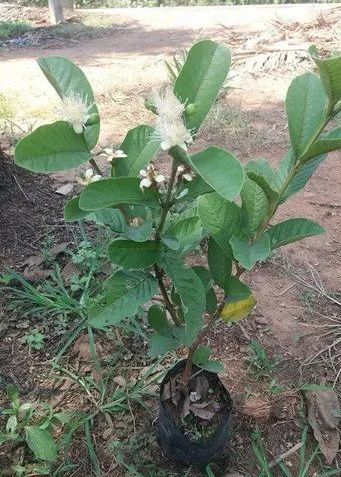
[162,344]
[142,232]
[134,255]
[122,295]
[220,217]
[330,142]
[201,355]
[66,78]
[41,443]
[157,320]
[188,191]
[188,232]
[191,291]
[236,291]
[260,167]
[219,263]
[255,206]
[140,145]
[213,366]
[221,170]
[113,218]
[115,191]
[305,104]
[72,211]
[200,79]
[301,176]
[292,230]
[51,148]
[247,254]
[330,73]
[205,276]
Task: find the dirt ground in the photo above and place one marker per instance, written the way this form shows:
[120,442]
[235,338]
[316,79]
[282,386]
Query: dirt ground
[124,66]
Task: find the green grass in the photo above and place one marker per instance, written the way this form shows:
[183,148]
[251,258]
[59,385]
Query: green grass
[13,28]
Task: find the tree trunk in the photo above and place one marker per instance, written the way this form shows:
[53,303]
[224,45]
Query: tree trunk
[56,11]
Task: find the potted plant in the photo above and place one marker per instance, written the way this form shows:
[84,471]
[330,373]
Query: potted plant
[208,199]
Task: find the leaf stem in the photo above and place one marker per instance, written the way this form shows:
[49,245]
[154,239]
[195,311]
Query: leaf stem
[169,305]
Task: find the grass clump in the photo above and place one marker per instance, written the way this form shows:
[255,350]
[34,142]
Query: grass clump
[13,28]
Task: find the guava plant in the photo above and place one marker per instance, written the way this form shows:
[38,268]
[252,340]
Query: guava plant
[157,218]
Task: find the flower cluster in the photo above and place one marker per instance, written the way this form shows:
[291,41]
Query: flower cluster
[170,125]
[88,177]
[111,155]
[185,173]
[150,177]
[74,109]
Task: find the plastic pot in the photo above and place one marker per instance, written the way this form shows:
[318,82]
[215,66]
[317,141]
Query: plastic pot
[177,446]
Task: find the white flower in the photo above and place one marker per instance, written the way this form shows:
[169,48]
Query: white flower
[188,177]
[118,154]
[88,177]
[173,133]
[75,110]
[150,177]
[167,104]
[181,168]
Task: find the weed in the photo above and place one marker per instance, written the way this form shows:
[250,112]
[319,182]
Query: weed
[34,340]
[10,28]
[262,365]
[307,459]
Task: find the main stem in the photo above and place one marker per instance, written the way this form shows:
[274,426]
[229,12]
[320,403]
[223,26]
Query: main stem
[196,343]
[166,205]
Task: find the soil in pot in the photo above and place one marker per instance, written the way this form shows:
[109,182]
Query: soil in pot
[193,422]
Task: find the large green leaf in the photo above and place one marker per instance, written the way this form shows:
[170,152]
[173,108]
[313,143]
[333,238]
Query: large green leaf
[236,291]
[262,174]
[115,191]
[67,78]
[330,72]
[219,263]
[221,170]
[201,77]
[305,104]
[162,344]
[201,358]
[157,319]
[188,232]
[134,255]
[140,145]
[51,148]
[191,291]
[205,276]
[247,254]
[330,142]
[72,211]
[122,295]
[255,206]
[41,443]
[220,217]
[292,230]
[113,218]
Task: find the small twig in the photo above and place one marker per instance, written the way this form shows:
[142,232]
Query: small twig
[285,455]
[286,290]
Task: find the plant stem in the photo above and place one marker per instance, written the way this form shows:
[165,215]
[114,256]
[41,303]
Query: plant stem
[168,201]
[95,167]
[189,363]
[168,303]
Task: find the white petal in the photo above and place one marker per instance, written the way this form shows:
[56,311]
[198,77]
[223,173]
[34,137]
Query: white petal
[88,173]
[160,178]
[120,154]
[181,168]
[96,178]
[78,128]
[143,173]
[165,145]
[110,158]
[108,150]
[145,183]
[188,177]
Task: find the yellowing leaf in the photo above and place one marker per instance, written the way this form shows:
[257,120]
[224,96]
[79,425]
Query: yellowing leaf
[238,310]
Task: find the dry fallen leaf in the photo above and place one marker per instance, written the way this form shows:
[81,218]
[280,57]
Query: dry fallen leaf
[65,189]
[323,412]
[120,381]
